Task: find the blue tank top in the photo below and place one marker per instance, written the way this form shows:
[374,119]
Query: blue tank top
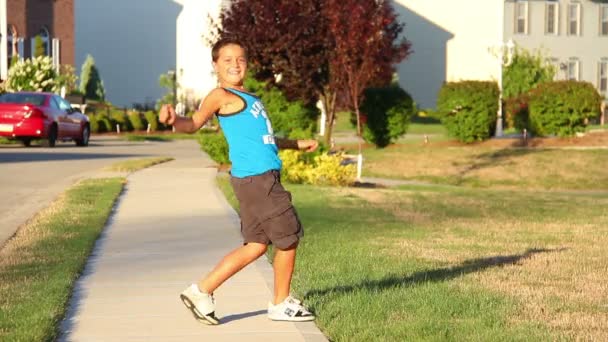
[251,145]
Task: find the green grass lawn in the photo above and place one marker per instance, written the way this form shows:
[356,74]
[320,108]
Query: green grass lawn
[5,141]
[39,265]
[137,164]
[455,264]
[485,167]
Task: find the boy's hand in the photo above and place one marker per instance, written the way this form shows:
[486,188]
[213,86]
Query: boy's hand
[308,145]
[167,115]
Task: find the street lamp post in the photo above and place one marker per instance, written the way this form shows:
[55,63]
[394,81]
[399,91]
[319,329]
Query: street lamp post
[504,52]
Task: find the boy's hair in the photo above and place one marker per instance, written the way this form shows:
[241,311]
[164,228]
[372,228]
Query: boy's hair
[215,51]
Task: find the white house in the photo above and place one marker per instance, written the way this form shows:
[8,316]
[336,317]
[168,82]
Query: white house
[450,42]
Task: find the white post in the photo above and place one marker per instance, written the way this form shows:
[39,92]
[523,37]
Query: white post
[3,41]
[63,91]
[359,166]
[149,128]
[323,117]
[117,129]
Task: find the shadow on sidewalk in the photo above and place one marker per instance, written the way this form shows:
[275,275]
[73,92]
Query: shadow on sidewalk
[237,317]
[436,275]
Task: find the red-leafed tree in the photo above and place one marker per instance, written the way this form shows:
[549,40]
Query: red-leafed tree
[366,46]
[305,41]
[283,37]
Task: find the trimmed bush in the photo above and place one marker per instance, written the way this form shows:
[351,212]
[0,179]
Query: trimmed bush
[215,145]
[562,108]
[118,117]
[93,123]
[152,118]
[321,169]
[289,119]
[388,113]
[137,121]
[468,109]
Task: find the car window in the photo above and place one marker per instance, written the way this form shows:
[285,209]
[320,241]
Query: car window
[54,103]
[63,104]
[35,99]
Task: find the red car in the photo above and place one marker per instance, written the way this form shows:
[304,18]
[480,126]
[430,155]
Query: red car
[26,116]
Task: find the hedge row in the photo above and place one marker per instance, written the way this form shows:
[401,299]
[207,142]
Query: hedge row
[560,108]
[107,121]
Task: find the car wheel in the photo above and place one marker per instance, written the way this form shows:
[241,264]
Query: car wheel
[52,138]
[27,142]
[84,137]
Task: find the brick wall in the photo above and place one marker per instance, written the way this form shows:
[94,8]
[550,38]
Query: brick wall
[30,16]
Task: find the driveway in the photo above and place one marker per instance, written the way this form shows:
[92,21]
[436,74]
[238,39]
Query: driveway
[31,178]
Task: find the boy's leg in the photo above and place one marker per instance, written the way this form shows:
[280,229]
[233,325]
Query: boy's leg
[230,265]
[283,264]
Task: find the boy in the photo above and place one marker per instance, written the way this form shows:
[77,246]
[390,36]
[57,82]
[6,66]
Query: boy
[267,215]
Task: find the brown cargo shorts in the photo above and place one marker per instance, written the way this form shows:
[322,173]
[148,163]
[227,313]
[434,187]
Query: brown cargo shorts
[267,214]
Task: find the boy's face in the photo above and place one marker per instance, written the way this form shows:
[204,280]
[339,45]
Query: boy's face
[231,65]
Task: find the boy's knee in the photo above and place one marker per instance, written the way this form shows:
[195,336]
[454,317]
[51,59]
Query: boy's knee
[257,249]
[289,247]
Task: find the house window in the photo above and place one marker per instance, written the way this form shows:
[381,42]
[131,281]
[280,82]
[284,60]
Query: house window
[44,34]
[603,77]
[574,19]
[604,20]
[521,17]
[573,71]
[552,17]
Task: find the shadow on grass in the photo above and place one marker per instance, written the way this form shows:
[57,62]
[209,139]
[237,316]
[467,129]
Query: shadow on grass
[436,275]
[489,159]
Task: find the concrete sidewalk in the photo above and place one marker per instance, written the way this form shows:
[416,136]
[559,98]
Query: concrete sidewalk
[171,226]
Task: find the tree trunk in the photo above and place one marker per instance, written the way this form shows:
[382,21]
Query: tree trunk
[329,102]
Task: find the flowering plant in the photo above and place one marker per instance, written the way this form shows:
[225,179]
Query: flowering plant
[35,74]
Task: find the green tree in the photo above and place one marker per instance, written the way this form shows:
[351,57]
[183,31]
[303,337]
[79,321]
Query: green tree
[526,72]
[91,84]
[169,82]
[39,49]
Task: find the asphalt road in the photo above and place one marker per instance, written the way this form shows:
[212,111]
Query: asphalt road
[31,178]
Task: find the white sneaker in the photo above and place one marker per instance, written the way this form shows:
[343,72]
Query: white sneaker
[201,304]
[290,310]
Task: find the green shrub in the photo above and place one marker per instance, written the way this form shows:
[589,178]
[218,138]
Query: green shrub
[93,123]
[289,119]
[388,112]
[152,118]
[119,117]
[468,109]
[317,169]
[215,145]
[137,121]
[105,124]
[525,72]
[562,108]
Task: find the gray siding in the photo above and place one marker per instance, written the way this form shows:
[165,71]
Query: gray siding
[132,41]
[589,47]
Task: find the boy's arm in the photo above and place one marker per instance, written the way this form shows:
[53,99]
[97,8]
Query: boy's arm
[308,145]
[211,104]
